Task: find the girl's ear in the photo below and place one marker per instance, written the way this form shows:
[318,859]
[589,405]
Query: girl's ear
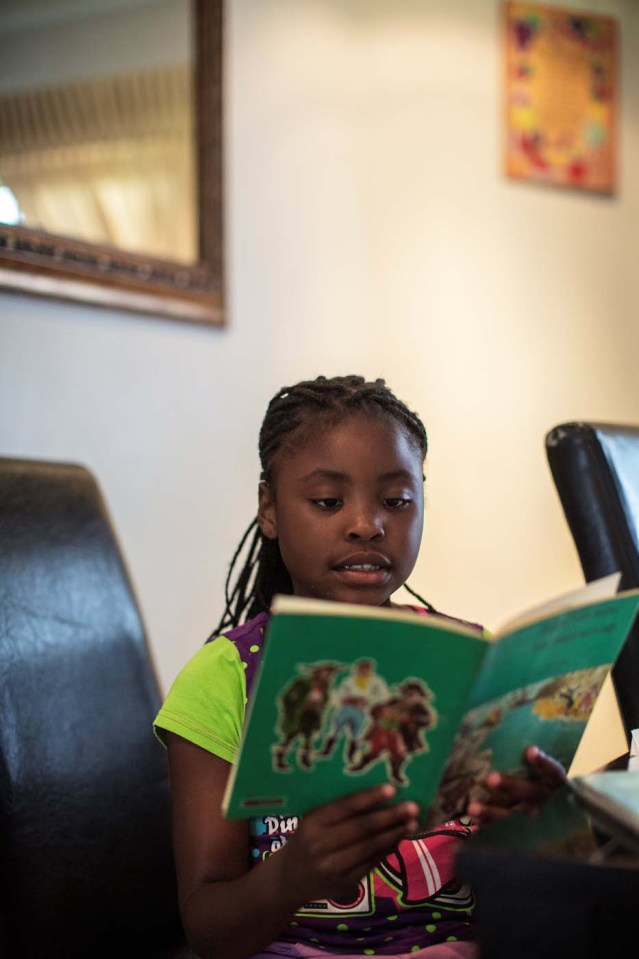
[267,511]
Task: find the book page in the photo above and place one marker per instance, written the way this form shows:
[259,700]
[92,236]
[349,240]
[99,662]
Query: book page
[538,685]
[302,605]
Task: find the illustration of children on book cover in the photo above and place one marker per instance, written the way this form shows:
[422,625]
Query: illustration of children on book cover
[552,713]
[332,706]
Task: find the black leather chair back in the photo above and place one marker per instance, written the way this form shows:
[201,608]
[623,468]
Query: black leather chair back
[86,866]
[595,467]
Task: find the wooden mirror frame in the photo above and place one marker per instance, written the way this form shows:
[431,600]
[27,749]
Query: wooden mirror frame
[46,264]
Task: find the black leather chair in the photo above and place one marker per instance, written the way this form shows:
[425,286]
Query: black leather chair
[86,866]
[595,467]
[537,896]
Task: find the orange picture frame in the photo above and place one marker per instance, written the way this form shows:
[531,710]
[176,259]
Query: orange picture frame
[561,96]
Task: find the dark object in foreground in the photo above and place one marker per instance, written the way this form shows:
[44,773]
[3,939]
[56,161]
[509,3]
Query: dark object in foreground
[86,866]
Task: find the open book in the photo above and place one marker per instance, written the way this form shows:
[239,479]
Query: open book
[349,696]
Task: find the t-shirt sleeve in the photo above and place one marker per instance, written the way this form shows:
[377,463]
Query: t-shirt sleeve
[206,702]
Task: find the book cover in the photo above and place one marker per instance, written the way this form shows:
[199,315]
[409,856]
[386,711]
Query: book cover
[349,696]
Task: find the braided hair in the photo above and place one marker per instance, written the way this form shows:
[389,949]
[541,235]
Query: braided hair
[263,573]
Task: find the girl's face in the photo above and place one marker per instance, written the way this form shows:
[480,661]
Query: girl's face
[347,507]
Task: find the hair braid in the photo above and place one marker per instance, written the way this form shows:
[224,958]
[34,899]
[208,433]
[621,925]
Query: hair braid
[263,573]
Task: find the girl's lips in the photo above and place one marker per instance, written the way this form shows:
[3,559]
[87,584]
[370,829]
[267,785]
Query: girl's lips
[366,562]
[363,569]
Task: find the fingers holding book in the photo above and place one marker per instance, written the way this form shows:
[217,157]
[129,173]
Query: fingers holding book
[336,844]
[506,793]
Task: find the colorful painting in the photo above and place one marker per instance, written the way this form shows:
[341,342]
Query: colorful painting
[561,97]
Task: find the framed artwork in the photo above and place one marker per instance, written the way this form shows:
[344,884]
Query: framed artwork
[561,96]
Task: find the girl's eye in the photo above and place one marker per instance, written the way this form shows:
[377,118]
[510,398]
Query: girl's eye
[327,502]
[397,502]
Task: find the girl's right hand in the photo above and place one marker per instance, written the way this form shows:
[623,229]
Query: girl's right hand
[231,910]
[336,844]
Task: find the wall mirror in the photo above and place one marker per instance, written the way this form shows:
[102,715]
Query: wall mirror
[111,153]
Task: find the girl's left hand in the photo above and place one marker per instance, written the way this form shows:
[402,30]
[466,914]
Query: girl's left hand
[509,793]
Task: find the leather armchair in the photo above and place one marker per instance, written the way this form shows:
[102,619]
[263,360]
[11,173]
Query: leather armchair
[595,467]
[86,867]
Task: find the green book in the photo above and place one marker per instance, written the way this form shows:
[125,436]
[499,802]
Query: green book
[350,696]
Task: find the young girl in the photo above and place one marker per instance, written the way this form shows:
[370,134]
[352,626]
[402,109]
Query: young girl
[340,516]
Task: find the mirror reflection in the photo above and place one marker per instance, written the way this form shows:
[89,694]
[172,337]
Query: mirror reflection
[97,129]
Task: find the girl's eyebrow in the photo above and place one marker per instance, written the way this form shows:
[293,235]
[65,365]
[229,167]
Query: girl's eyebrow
[324,474]
[336,475]
[397,474]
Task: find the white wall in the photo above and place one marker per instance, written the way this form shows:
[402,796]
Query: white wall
[369,230]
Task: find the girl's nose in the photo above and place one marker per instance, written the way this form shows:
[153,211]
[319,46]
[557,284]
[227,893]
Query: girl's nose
[365,525]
